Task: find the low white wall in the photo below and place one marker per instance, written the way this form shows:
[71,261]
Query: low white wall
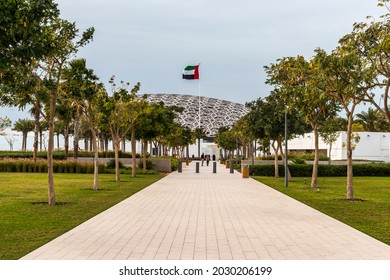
[372,146]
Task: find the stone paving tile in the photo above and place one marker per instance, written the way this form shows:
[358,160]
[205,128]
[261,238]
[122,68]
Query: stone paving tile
[210,216]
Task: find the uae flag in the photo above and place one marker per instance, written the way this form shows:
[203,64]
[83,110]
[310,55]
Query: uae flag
[191,73]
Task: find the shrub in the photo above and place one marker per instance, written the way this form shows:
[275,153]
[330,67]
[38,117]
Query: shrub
[299,161]
[310,156]
[57,168]
[111,164]
[271,157]
[263,170]
[174,163]
[305,170]
[60,155]
[149,164]
[371,170]
[42,167]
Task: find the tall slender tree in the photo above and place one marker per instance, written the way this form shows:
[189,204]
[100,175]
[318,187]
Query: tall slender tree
[25,39]
[77,80]
[24,126]
[300,87]
[226,139]
[157,121]
[329,132]
[4,124]
[347,79]
[199,133]
[118,112]
[371,42]
[37,43]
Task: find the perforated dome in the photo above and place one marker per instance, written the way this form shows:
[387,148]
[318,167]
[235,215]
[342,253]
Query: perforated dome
[214,113]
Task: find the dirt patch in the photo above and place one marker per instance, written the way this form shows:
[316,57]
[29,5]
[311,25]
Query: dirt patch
[91,189]
[352,200]
[46,203]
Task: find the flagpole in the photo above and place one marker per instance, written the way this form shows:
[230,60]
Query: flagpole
[199,97]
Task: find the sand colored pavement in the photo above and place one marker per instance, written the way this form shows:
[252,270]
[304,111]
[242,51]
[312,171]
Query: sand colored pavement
[207,215]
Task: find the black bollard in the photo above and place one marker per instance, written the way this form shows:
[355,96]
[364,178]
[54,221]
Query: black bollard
[180,166]
[197,167]
[214,167]
[231,166]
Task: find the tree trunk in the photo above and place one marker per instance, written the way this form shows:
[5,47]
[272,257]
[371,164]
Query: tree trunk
[95,159]
[276,159]
[316,159]
[156,149]
[106,140]
[133,153]
[330,153]
[58,140]
[144,150]
[24,141]
[36,130]
[76,134]
[50,171]
[116,142]
[101,139]
[124,144]
[155,145]
[289,178]
[198,147]
[66,141]
[263,149]
[349,158]
[40,140]
[250,151]
[86,144]
[187,154]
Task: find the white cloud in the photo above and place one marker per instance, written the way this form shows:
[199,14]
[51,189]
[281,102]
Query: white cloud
[152,40]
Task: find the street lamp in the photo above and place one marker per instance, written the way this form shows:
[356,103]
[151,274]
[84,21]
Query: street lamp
[286,155]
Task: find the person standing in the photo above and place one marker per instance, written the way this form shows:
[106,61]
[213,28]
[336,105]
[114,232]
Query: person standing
[207,159]
[202,158]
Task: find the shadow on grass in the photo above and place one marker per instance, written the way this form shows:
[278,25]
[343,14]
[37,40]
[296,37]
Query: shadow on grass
[351,200]
[99,189]
[46,203]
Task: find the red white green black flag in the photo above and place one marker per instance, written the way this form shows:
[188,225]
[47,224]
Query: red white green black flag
[191,72]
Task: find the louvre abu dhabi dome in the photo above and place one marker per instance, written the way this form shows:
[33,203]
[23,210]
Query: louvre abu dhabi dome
[214,113]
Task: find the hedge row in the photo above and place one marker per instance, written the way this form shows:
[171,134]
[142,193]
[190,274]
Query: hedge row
[60,155]
[60,167]
[305,170]
[310,156]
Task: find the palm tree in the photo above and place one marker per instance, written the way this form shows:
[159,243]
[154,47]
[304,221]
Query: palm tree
[75,76]
[63,122]
[24,126]
[199,133]
[43,126]
[370,120]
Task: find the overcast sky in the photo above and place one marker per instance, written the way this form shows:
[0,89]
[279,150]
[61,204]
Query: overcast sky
[151,41]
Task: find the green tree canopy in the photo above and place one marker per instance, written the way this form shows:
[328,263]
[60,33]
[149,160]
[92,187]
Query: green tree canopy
[4,124]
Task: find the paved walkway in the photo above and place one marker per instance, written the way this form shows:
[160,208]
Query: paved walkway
[211,216]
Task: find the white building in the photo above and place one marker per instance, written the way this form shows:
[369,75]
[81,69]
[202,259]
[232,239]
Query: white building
[373,146]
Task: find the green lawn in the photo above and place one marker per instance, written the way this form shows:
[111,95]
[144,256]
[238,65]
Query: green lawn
[369,213]
[26,222]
